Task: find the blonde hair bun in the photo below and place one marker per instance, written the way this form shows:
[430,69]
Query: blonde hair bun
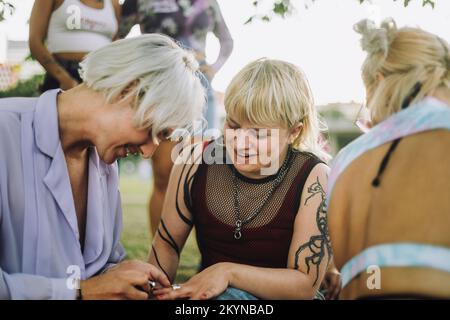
[403,58]
[376,39]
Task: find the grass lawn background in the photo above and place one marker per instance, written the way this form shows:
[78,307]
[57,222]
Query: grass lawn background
[136,237]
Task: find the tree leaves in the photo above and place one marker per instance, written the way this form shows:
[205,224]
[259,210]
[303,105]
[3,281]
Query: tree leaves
[407,2]
[424,3]
[430,2]
[280,8]
[283,8]
[6,9]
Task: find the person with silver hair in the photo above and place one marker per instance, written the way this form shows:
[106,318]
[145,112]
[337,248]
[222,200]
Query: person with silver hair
[388,190]
[60,208]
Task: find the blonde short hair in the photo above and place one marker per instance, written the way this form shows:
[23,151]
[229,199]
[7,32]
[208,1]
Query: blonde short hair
[162,76]
[272,92]
[403,57]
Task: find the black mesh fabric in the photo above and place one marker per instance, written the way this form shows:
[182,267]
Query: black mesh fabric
[265,241]
[251,192]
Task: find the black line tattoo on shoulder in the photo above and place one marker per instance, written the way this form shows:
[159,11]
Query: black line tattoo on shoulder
[320,244]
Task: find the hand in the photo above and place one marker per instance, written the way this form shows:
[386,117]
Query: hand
[127,280]
[332,283]
[205,285]
[68,83]
[208,71]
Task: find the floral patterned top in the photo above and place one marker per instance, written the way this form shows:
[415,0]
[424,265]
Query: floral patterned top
[187,21]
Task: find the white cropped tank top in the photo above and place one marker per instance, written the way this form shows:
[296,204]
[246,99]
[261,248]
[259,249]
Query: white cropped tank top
[76,27]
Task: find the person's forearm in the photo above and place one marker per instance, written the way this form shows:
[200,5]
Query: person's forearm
[19,286]
[270,283]
[165,258]
[46,59]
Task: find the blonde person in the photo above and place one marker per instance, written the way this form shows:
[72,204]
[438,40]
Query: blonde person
[261,225]
[388,190]
[60,208]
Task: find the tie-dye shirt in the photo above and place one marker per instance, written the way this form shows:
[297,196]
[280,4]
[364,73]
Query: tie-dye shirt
[425,115]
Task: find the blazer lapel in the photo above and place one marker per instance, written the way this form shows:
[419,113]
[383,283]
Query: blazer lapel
[47,140]
[95,229]
[58,183]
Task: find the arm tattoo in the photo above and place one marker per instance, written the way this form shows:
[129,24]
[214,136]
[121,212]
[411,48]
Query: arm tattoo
[167,237]
[170,241]
[318,245]
[159,264]
[186,185]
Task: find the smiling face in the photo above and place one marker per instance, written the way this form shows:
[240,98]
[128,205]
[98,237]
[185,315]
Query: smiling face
[269,106]
[117,134]
[253,148]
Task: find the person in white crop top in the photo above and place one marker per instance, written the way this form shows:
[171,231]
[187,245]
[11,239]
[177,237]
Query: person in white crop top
[62,32]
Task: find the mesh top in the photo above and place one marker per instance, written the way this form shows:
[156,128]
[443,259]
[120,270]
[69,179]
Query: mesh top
[251,192]
[266,239]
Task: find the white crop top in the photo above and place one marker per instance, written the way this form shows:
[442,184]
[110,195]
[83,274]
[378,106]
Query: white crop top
[76,27]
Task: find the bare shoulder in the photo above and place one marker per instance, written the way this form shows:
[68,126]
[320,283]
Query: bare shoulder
[321,169]
[317,178]
[187,162]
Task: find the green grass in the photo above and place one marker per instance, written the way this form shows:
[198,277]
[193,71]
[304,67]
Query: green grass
[136,227]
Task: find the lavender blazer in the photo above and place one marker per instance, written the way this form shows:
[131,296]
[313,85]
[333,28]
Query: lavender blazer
[39,237]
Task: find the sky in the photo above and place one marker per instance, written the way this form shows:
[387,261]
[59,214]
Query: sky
[320,39]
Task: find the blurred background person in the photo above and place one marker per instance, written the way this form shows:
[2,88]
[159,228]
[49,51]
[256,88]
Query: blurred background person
[189,22]
[388,190]
[62,32]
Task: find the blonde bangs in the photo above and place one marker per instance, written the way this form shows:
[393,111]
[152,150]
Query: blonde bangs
[253,107]
[273,93]
[267,93]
